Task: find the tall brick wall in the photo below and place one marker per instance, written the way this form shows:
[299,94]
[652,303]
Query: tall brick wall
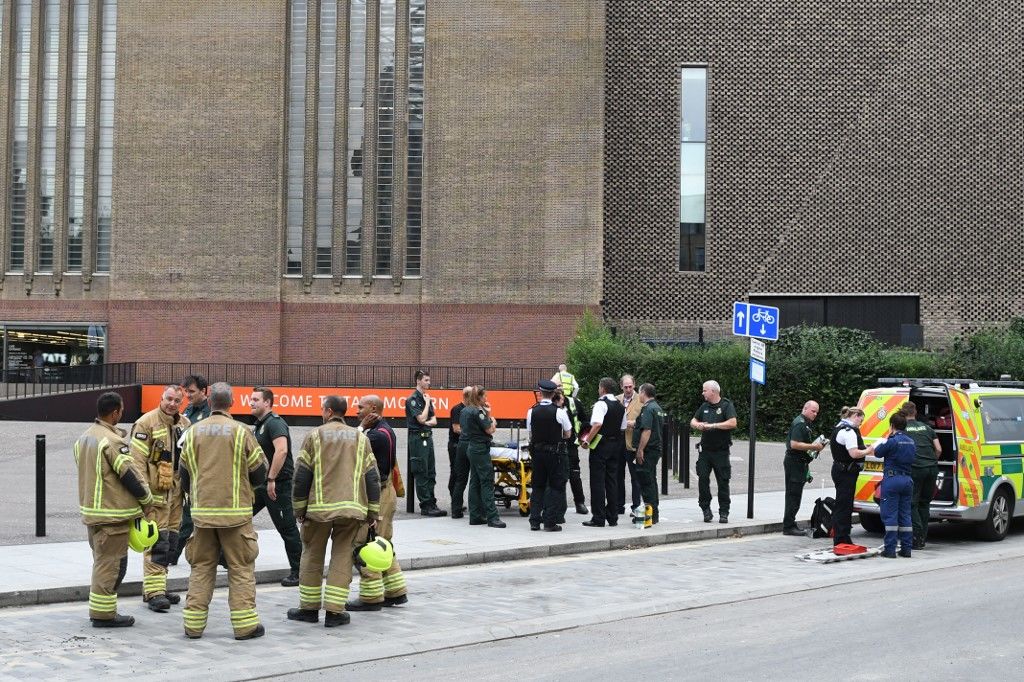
[853,146]
[512,225]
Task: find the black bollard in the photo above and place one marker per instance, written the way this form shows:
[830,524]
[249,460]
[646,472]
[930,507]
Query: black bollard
[40,486]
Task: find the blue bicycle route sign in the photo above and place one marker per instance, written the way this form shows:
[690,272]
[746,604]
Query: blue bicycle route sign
[759,321]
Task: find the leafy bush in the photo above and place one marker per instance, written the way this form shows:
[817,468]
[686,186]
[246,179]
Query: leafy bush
[828,364]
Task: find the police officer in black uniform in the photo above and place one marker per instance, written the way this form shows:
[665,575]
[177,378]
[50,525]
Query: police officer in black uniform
[547,427]
[607,423]
[579,419]
[848,454]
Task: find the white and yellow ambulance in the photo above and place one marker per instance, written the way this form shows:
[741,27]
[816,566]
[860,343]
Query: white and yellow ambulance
[980,427]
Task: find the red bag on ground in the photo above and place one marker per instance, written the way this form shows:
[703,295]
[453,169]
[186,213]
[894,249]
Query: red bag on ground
[845,549]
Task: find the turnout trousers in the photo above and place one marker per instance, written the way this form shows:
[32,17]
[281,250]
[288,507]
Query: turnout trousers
[240,549]
[342,533]
[373,586]
[109,543]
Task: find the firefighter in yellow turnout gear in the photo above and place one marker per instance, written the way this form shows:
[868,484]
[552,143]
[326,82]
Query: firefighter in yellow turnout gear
[337,490]
[221,463]
[110,493]
[376,589]
[154,444]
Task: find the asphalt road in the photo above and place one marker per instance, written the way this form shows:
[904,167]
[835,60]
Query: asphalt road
[63,524]
[742,608]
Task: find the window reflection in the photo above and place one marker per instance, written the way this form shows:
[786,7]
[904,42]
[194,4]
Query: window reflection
[385,137]
[414,172]
[325,135]
[692,168]
[105,161]
[48,134]
[356,100]
[76,134]
[296,135]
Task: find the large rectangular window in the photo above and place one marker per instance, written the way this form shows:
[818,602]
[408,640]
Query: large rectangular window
[105,161]
[356,103]
[19,138]
[692,168]
[325,135]
[357,41]
[296,136]
[385,137]
[76,133]
[48,141]
[414,169]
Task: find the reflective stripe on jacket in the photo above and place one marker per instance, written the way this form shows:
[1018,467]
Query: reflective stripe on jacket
[218,454]
[339,457]
[102,455]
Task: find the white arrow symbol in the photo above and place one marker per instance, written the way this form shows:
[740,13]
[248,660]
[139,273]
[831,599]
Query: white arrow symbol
[739,316]
[763,331]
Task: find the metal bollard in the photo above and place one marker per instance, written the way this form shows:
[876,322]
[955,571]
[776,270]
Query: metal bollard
[666,436]
[40,486]
[684,456]
[410,484]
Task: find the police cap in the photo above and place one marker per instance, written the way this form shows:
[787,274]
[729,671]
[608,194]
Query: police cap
[547,386]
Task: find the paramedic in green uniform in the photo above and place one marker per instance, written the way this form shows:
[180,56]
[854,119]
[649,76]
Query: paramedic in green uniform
[923,472]
[647,439]
[419,418]
[715,419]
[477,428]
[800,450]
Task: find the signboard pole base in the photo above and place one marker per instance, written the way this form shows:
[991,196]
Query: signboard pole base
[753,443]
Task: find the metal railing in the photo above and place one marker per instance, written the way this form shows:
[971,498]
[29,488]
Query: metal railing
[348,376]
[28,382]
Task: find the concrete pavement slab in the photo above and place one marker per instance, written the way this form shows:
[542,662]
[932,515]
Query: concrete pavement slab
[54,572]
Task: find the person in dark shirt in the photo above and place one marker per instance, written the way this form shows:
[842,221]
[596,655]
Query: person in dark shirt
[899,452]
[377,590]
[419,420]
[197,388]
[460,462]
[924,472]
[801,448]
[715,419]
[272,434]
[454,431]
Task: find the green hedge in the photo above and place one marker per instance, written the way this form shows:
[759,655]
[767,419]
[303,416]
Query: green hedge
[827,364]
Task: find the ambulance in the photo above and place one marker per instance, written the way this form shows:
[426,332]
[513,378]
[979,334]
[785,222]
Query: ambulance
[980,426]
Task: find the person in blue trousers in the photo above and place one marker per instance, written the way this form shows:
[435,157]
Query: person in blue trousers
[898,451]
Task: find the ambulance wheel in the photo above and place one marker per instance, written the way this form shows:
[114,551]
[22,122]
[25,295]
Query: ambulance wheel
[1000,513]
[872,523]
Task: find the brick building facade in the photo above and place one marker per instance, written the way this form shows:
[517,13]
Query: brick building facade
[521,164]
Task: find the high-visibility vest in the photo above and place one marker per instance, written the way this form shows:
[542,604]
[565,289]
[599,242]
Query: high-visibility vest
[567,380]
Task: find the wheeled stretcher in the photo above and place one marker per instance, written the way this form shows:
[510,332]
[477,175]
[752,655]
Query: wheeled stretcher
[512,475]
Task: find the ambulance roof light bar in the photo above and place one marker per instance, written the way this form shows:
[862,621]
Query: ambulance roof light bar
[918,382]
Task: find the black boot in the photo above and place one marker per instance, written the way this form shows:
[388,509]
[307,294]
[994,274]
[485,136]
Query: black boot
[304,615]
[333,620]
[118,621]
[291,580]
[363,606]
[255,634]
[396,601]
[160,603]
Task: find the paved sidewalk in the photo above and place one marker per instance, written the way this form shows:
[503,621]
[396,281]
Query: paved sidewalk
[56,572]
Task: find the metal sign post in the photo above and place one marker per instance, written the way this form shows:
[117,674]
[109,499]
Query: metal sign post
[757,322]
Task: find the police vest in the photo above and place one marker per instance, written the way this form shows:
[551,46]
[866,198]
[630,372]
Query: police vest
[840,455]
[611,429]
[544,426]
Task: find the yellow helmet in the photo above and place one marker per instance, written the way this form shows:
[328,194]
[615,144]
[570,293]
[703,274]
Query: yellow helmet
[143,534]
[376,554]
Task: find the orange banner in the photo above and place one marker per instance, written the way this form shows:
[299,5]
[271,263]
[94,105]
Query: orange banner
[305,402]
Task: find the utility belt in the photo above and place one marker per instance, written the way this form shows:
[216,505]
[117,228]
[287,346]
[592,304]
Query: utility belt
[849,466]
[894,472]
[422,434]
[560,448]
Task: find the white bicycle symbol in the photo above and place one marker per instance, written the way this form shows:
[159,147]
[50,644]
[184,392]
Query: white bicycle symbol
[763,316]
